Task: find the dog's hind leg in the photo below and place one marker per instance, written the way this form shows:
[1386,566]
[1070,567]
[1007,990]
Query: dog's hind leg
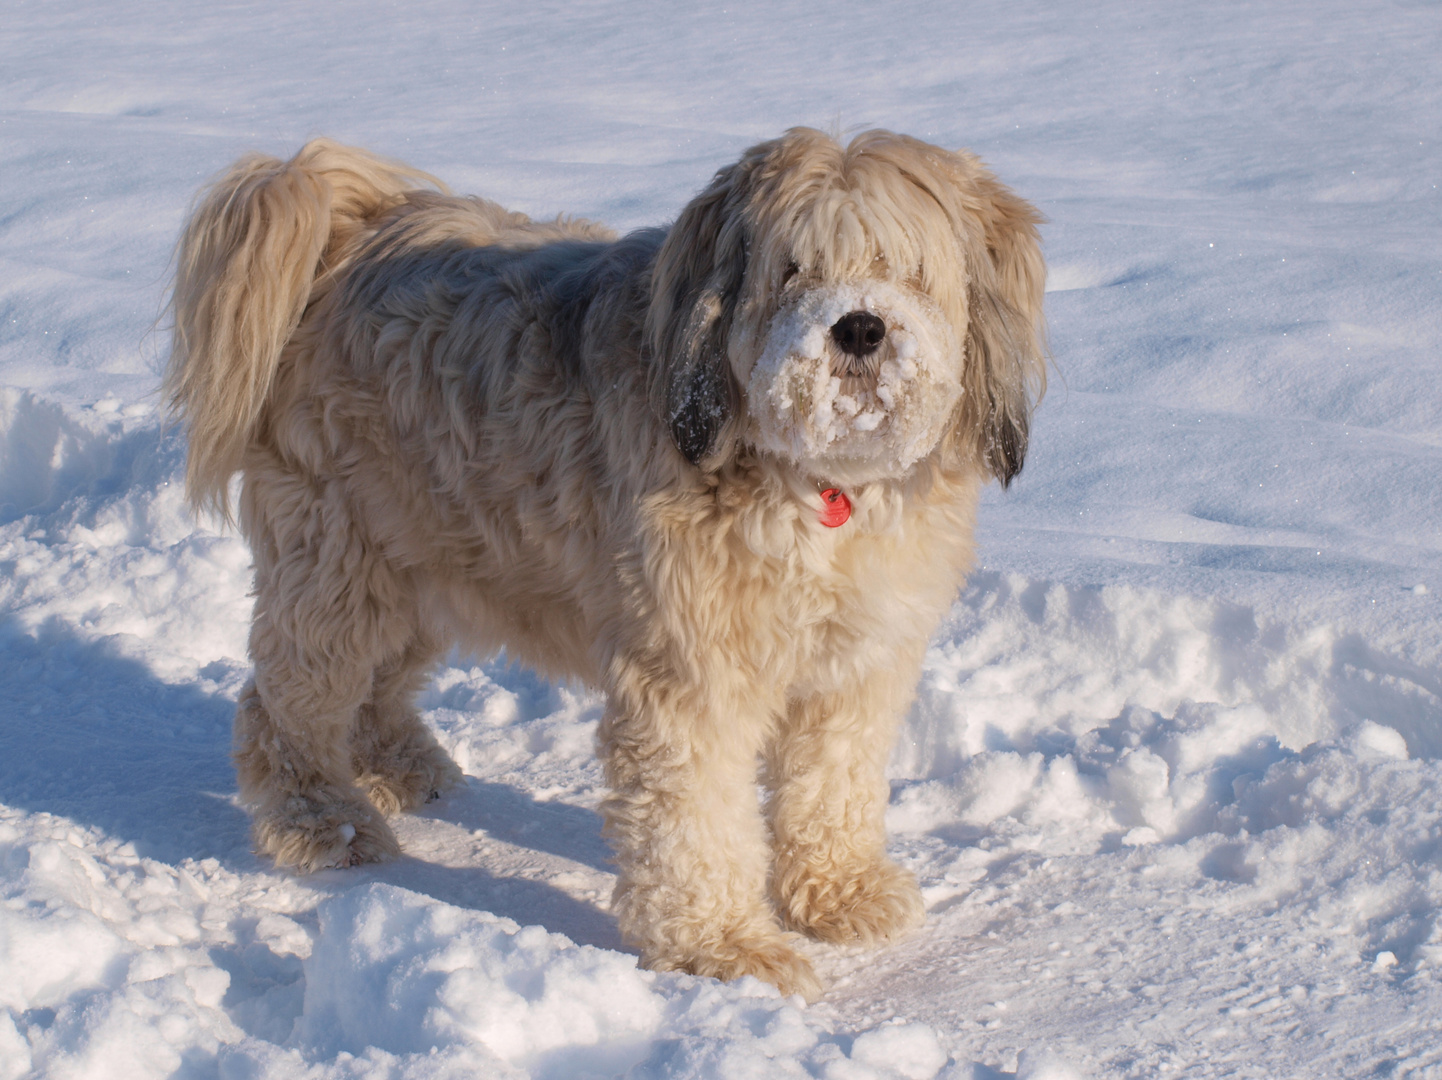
[327,612]
[305,816]
[689,839]
[396,759]
[832,879]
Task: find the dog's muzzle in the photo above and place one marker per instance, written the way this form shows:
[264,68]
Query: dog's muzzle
[856,381]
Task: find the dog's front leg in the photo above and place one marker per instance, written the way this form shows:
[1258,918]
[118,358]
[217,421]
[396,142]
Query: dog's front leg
[826,769]
[689,839]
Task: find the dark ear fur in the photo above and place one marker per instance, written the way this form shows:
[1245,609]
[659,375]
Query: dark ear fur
[1006,336]
[694,288]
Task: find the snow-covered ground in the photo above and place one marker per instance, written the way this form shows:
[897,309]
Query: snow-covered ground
[1173,781]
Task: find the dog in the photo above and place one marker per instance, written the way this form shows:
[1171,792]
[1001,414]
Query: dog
[726,471]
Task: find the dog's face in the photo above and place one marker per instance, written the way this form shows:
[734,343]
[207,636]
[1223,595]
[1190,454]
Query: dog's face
[852,379]
[851,310]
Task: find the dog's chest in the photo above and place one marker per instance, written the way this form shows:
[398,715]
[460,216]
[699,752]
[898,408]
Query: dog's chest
[810,605]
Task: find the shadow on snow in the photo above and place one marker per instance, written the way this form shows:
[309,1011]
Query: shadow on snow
[92,736]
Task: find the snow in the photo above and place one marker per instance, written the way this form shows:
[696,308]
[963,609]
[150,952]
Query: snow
[1171,781]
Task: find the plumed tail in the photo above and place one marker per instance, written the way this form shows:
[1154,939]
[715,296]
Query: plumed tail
[264,239]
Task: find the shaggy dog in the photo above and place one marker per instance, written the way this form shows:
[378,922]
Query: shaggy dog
[726,471]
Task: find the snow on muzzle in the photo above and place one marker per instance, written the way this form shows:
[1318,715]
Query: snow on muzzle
[856,381]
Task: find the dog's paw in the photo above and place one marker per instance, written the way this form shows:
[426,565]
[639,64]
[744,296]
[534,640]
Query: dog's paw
[879,904]
[418,777]
[768,957]
[409,779]
[308,833]
[773,961]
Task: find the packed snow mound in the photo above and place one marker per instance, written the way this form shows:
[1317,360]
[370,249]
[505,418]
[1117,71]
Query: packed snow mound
[127,967]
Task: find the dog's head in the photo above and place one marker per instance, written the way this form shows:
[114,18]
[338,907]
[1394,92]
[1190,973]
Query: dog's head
[852,310]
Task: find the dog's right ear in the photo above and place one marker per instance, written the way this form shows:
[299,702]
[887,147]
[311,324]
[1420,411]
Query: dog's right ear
[695,284]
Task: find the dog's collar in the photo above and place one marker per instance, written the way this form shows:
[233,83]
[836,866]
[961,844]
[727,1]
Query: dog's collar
[835,506]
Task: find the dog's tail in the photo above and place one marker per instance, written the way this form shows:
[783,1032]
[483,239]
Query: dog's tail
[263,241]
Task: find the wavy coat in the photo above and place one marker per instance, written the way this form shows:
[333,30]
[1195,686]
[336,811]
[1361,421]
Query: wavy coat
[454,424]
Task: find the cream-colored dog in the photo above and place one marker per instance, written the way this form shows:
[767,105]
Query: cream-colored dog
[726,471]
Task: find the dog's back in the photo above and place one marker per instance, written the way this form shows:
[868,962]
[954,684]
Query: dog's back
[487,395]
[453,372]
[274,251]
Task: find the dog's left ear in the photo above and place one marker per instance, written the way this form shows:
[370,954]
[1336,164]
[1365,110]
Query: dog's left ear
[695,285]
[1006,331]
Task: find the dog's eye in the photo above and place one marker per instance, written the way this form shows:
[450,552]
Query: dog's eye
[790,272]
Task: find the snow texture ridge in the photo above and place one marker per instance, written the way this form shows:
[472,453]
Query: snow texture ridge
[1170,784]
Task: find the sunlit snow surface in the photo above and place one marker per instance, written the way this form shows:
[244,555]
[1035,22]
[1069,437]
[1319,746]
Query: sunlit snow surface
[1172,781]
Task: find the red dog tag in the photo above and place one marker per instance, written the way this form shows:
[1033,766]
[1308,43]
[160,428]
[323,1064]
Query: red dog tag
[835,507]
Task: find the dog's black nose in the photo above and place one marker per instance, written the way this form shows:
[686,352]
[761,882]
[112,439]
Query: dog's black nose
[859,333]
